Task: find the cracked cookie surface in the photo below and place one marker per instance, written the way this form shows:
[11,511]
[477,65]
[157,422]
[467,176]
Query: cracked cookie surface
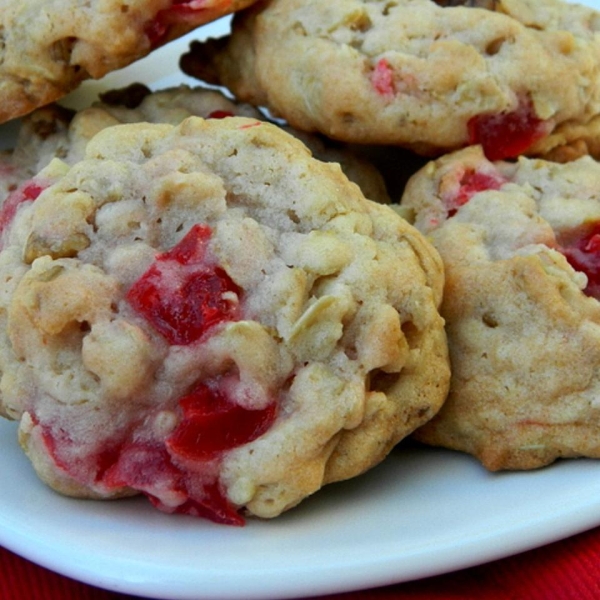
[515,76]
[520,244]
[207,315]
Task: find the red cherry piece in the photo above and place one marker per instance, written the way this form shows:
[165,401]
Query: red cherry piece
[25,193]
[155,31]
[54,441]
[471,183]
[191,248]
[220,114]
[212,506]
[183,294]
[61,448]
[583,255]
[382,78]
[179,11]
[155,470]
[212,424]
[148,468]
[507,134]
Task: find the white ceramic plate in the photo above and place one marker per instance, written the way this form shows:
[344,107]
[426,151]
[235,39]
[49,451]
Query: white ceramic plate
[422,512]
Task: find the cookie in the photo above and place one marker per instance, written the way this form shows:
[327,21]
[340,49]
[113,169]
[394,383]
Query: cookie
[515,77]
[54,131]
[521,250]
[47,49]
[207,315]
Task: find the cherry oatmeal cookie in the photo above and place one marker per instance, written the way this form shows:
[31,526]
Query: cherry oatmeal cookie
[521,249]
[515,76]
[54,131]
[48,48]
[207,315]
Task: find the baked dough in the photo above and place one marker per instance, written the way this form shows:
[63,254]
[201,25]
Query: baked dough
[518,76]
[520,248]
[48,47]
[206,314]
[55,132]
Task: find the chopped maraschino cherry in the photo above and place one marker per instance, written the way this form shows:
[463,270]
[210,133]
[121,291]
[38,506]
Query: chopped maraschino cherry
[213,423]
[179,11]
[27,192]
[184,293]
[471,183]
[213,506]
[583,255]
[149,468]
[382,78]
[220,114]
[507,134]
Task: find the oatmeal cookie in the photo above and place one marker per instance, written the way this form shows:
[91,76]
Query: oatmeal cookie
[515,76]
[48,47]
[207,315]
[55,132]
[521,248]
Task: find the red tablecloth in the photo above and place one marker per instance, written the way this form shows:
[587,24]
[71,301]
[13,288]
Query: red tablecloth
[565,570]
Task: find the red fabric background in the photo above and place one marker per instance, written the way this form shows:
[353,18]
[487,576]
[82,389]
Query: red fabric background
[566,570]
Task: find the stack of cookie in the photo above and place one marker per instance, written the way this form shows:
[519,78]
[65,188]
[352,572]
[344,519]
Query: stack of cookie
[196,309]
[503,91]
[225,313]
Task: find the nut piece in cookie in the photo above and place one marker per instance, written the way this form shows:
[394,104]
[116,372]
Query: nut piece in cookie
[207,315]
[520,244]
[515,77]
[48,48]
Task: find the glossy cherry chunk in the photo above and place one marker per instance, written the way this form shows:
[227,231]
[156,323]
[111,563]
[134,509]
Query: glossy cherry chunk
[471,183]
[212,423]
[220,114]
[86,468]
[584,255]
[27,192]
[194,11]
[212,506]
[382,78]
[184,292]
[148,468]
[507,134]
